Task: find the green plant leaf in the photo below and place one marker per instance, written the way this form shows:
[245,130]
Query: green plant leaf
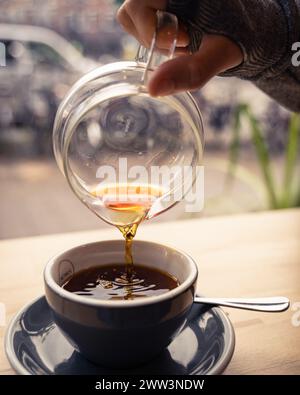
[297,200]
[234,147]
[291,161]
[262,154]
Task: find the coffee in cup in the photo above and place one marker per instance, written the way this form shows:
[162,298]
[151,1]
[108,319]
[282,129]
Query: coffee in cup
[115,282]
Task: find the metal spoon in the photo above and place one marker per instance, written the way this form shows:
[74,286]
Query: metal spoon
[271,305]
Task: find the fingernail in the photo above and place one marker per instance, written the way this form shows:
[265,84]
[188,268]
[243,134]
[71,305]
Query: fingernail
[166,87]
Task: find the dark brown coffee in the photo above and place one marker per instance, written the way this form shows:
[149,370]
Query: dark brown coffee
[113,282]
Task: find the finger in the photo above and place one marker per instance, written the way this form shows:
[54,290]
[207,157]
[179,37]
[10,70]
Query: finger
[126,22]
[163,43]
[179,74]
[165,38]
[190,72]
[143,17]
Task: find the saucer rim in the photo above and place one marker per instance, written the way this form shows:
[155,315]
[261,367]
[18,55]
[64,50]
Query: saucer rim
[215,370]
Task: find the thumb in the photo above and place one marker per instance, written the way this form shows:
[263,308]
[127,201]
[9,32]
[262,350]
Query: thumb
[189,72]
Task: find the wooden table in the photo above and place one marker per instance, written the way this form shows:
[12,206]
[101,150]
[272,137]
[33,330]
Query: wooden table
[249,255]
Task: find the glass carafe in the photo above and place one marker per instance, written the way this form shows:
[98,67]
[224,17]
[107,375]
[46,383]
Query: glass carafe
[124,153]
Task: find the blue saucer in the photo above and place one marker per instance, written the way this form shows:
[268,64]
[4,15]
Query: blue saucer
[34,345]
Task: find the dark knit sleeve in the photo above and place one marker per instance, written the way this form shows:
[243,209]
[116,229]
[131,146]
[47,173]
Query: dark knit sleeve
[264,29]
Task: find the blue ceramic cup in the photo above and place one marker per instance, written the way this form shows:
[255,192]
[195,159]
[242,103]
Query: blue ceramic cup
[120,334]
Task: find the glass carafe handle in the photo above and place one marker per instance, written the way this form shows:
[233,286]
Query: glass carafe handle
[166,28]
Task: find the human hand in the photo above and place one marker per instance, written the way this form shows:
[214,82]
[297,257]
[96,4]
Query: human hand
[187,71]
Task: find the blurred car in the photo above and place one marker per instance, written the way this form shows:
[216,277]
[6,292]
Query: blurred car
[40,67]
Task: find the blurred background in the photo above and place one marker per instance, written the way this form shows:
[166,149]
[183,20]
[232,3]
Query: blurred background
[252,144]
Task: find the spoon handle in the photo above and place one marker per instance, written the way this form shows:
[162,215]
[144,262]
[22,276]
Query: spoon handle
[272,304]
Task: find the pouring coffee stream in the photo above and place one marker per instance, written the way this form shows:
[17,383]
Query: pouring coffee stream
[127,206]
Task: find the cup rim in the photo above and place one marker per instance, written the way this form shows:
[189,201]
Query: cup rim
[85,300]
